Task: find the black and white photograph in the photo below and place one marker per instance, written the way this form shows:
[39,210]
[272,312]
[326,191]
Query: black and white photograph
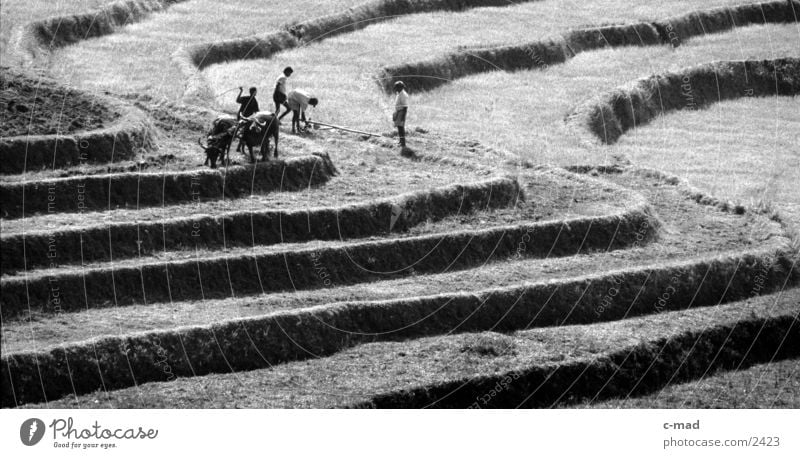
[411,213]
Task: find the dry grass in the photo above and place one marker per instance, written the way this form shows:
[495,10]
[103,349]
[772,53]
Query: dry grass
[147,47]
[315,332]
[138,58]
[359,55]
[503,107]
[16,13]
[511,102]
[515,101]
[59,31]
[688,231]
[745,150]
[611,114]
[765,386]
[142,279]
[442,69]
[138,190]
[367,172]
[535,368]
[131,239]
[521,112]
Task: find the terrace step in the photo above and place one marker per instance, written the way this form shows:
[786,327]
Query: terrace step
[772,385]
[609,115]
[75,238]
[119,131]
[689,230]
[439,70]
[136,190]
[177,148]
[746,255]
[565,282]
[533,368]
[181,276]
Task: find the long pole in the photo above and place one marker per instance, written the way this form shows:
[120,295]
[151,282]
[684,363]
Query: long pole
[345,129]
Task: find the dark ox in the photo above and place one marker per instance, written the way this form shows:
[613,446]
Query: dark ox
[219,139]
[225,128]
[265,125]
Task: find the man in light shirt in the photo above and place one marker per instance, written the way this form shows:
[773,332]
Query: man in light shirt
[280,94]
[400,111]
[298,101]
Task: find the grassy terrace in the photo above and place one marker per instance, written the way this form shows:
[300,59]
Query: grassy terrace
[147,47]
[549,366]
[544,203]
[19,12]
[743,150]
[139,58]
[523,111]
[367,172]
[688,231]
[497,104]
[710,146]
[765,386]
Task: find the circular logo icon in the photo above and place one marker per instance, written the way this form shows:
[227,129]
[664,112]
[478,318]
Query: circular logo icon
[31,431]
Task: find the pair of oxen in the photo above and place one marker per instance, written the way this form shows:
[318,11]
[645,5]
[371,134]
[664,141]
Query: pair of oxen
[253,131]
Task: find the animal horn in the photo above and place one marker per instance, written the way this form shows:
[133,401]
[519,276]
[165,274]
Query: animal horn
[200,141]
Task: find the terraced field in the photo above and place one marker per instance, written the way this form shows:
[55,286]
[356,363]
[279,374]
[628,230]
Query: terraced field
[520,252]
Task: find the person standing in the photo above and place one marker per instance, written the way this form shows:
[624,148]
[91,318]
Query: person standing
[280,95]
[298,101]
[400,111]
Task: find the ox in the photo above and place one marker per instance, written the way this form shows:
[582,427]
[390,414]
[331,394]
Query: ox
[219,139]
[263,126]
[253,131]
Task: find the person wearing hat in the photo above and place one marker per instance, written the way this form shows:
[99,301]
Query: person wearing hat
[280,95]
[298,101]
[400,111]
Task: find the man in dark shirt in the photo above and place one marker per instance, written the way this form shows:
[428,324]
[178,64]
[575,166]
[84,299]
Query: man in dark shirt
[247,104]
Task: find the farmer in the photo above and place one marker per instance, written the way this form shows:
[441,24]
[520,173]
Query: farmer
[248,105]
[280,94]
[298,101]
[400,110]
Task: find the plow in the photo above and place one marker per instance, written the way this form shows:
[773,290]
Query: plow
[321,125]
[227,129]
